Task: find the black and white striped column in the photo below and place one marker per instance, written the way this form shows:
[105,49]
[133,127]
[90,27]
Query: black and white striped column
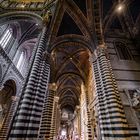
[89,131]
[54,120]
[45,130]
[28,115]
[112,121]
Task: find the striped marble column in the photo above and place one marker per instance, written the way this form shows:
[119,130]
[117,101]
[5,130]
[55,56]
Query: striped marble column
[112,120]
[28,115]
[89,131]
[45,131]
[54,120]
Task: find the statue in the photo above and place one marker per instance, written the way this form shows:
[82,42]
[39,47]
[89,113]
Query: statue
[136,98]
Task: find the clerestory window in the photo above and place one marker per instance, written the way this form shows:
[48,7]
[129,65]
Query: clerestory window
[6,38]
[20,61]
[122,51]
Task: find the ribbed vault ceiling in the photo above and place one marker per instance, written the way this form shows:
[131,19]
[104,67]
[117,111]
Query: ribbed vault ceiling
[71,64]
[75,20]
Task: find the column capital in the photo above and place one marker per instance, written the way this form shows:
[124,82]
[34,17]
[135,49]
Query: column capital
[47,56]
[15,98]
[93,57]
[46,17]
[56,99]
[52,86]
[77,108]
[102,46]
[101,49]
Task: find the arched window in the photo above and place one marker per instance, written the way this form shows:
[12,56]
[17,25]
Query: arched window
[6,38]
[123,51]
[20,60]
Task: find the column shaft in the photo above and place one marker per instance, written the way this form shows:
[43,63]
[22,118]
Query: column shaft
[112,119]
[89,131]
[54,119]
[28,115]
[47,114]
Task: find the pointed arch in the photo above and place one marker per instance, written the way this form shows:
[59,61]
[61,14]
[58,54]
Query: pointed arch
[10,17]
[75,14]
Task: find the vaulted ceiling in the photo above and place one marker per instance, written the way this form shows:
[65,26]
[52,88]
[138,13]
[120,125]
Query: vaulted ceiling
[73,38]
[77,27]
[71,44]
[70,70]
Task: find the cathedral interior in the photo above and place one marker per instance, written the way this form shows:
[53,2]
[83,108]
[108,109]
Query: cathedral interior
[69,69]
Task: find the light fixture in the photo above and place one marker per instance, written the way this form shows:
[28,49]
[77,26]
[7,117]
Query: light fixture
[120,8]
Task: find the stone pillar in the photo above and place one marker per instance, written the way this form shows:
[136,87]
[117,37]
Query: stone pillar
[54,120]
[89,131]
[27,119]
[58,122]
[47,114]
[78,119]
[112,120]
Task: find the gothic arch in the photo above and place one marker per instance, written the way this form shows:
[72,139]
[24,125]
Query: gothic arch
[85,43]
[7,96]
[112,14]
[15,31]
[122,50]
[77,17]
[6,93]
[70,54]
[71,60]
[20,15]
[28,46]
[14,82]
